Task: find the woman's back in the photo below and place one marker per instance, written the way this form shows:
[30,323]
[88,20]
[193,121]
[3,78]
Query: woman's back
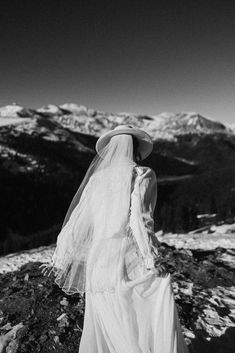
[109,201]
[121,230]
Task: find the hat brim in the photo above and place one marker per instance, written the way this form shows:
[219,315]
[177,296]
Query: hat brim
[145,141]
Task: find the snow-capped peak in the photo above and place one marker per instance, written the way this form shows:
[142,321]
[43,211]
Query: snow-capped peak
[231,126]
[196,121]
[74,108]
[51,108]
[166,115]
[10,111]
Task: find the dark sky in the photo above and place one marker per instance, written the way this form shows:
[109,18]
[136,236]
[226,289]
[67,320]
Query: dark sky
[136,56]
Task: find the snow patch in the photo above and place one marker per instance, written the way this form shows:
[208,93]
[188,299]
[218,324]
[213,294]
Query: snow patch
[10,110]
[51,108]
[75,109]
[216,236]
[12,121]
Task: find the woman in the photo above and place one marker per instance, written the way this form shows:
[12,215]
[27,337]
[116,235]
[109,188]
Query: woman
[105,250]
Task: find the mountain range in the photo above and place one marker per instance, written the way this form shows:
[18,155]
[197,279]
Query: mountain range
[165,125]
[44,154]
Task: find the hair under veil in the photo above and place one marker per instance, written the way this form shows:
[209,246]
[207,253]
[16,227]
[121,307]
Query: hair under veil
[98,212]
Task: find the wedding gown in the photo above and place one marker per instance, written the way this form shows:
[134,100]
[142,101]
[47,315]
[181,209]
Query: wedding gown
[129,309]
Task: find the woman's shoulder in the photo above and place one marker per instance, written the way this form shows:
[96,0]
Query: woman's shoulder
[145,171]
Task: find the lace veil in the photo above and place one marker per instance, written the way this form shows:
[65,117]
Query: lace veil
[98,211]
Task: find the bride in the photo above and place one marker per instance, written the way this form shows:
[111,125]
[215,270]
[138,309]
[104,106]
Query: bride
[105,250]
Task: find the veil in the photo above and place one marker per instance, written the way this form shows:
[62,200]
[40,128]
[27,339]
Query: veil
[98,211]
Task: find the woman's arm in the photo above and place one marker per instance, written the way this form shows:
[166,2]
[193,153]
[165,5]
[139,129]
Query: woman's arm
[143,202]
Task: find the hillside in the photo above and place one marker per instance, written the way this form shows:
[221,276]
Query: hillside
[45,152]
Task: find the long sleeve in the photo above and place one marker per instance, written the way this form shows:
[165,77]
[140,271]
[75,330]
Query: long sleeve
[143,202]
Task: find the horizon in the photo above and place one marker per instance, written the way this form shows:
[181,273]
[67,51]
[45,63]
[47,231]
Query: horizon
[117,112]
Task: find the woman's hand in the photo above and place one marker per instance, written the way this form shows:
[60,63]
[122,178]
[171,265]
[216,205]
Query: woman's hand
[46,269]
[160,266]
[161,270]
[156,265]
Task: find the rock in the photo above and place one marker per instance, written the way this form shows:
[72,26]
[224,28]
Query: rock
[187,288]
[10,339]
[6,327]
[1,316]
[43,338]
[64,301]
[12,347]
[189,334]
[26,277]
[228,301]
[232,314]
[56,339]
[61,317]
[63,320]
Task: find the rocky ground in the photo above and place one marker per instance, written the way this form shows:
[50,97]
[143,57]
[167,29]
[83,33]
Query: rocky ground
[36,316]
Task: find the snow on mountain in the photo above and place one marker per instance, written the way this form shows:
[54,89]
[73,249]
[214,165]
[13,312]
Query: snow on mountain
[10,110]
[232,127]
[14,114]
[50,109]
[166,125]
[214,236]
[192,122]
[11,121]
[30,135]
[78,118]
[75,109]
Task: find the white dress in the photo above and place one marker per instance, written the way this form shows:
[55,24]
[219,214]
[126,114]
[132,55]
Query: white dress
[129,309]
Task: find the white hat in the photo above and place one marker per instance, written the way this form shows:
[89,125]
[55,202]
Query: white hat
[145,141]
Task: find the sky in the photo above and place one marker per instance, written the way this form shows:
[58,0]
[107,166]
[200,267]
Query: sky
[136,56]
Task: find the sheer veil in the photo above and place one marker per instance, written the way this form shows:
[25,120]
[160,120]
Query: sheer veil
[98,211]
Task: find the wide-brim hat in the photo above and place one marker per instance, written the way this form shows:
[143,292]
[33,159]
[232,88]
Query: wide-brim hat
[145,141]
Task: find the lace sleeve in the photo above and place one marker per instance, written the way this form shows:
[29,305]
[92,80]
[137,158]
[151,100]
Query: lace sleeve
[143,202]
